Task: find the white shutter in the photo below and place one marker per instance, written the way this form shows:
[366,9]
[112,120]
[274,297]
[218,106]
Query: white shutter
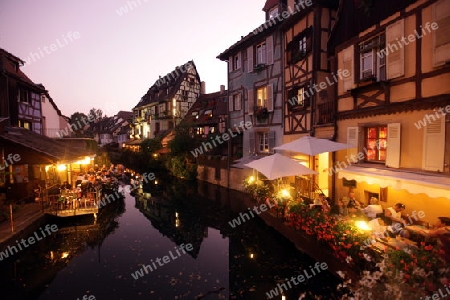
[271,136]
[441,36]
[352,139]
[434,145]
[393,145]
[250,59]
[270,97]
[237,105]
[269,49]
[250,102]
[396,59]
[252,142]
[230,103]
[239,64]
[347,64]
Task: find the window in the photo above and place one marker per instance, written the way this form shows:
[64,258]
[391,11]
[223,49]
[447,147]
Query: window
[375,143]
[235,102]
[263,142]
[299,98]
[24,96]
[300,46]
[237,62]
[261,97]
[273,12]
[261,53]
[372,66]
[25,124]
[441,38]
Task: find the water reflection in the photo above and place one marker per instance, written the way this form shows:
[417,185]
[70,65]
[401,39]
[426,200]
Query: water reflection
[98,257]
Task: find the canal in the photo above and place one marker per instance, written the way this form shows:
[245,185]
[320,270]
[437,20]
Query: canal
[104,258]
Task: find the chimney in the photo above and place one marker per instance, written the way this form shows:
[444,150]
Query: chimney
[222,88]
[203,88]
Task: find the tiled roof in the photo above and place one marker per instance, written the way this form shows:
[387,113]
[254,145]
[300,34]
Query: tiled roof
[166,86]
[11,70]
[216,102]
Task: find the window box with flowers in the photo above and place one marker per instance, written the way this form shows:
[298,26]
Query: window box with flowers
[259,67]
[261,113]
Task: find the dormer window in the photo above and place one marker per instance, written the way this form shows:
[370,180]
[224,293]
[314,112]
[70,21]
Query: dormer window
[273,12]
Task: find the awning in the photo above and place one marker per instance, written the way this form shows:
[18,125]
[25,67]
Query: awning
[414,183]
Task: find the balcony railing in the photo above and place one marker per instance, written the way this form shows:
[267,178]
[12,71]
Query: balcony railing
[325,113]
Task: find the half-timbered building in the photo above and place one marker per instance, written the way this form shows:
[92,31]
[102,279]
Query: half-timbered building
[309,84]
[20,98]
[394,107]
[166,102]
[255,86]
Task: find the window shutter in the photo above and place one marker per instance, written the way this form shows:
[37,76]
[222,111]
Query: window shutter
[352,139]
[250,102]
[270,97]
[237,105]
[250,59]
[441,36]
[269,49]
[230,64]
[347,64]
[271,136]
[396,59]
[239,60]
[393,145]
[434,145]
[252,142]
[230,103]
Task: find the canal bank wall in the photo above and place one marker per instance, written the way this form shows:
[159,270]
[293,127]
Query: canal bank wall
[231,179]
[240,202]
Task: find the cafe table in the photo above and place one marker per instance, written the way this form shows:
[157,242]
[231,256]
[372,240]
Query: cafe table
[419,230]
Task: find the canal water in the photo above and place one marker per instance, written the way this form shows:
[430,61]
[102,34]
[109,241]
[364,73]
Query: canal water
[97,258]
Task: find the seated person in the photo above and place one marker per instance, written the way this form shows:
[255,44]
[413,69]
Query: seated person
[394,214]
[378,227]
[373,208]
[353,204]
[66,185]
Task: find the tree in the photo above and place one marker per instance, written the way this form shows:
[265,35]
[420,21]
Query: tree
[78,121]
[97,113]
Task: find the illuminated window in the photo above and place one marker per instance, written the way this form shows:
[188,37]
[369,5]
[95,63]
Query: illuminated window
[261,97]
[376,143]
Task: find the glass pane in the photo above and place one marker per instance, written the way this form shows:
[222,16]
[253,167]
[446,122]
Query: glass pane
[382,155]
[383,132]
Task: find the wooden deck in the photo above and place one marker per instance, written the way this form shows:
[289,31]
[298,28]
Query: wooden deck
[72,212]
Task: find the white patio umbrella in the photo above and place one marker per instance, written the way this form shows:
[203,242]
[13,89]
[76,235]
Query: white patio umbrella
[313,146]
[240,163]
[277,165]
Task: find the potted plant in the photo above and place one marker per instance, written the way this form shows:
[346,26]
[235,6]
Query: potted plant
[262,113]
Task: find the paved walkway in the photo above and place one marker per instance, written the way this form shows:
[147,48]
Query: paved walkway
[22,218]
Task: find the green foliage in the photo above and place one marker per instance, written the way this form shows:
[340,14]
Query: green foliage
[183,141]
[181,167]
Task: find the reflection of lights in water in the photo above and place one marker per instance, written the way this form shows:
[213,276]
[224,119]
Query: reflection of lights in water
[176,215]
[156,181]
[283,297]
[177,223]
[251,255]
[64,254]
[52,256]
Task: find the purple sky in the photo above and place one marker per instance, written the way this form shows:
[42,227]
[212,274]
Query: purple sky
[115,59]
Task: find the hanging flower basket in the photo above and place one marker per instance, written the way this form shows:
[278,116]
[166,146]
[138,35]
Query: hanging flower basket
[262,113]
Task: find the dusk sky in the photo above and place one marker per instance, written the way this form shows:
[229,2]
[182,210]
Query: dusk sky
[107,60]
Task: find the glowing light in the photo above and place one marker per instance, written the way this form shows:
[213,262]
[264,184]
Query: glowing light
[64,255]
[251,255]
[251,179]
[363,225]
[47,168]
[176,215]
[283,297]
[155,155]
[85,161]
[61,168]
[177,223]
[285,193]
[156,181]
